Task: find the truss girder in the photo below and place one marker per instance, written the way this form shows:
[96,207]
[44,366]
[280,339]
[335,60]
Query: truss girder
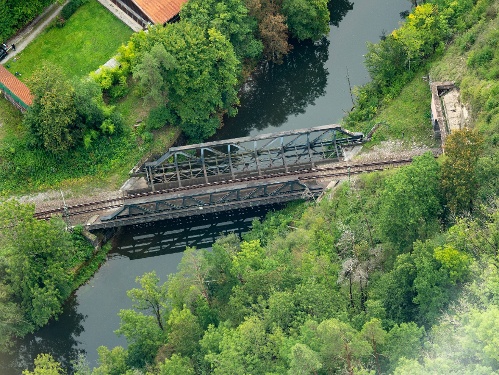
[258,155]
[245,195]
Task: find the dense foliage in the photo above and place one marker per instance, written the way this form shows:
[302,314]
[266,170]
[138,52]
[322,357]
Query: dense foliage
[325,289]
[38,262]
[63,114]
[395,60]
[194,68]
[14,14]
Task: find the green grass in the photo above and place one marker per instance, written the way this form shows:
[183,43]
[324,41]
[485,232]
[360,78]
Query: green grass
[90,37]
[10,119]
[405,118]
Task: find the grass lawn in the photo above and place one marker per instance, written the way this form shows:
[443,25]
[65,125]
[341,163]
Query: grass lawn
[90,37]
[10,120]
[407,117]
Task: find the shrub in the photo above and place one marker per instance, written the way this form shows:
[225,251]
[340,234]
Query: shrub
[158,118]
[481,57]
[70,8]
[60,22]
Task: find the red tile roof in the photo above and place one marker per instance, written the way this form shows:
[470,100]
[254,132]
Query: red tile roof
[160,11]
[18,88]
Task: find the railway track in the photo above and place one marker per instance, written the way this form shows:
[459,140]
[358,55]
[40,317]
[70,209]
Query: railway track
[303,175]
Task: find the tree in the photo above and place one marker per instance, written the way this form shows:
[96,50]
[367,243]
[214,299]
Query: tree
[403,341]
[439,271]
[52,116]
[385,61]
[202,85]
[341,346]
[306,19]
[145,333]
[37,254]
[11,318]
[184,332]
[111,362]
[189,284]
[459,180]
[410,202]
[151,297]
[45,364]
[303,360]
[231,18]
[151,73]
[274,34]
[374,333]
[176,365]
[143,336]
[423,32]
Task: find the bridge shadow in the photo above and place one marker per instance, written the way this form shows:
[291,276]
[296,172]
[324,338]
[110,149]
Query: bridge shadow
[173,236]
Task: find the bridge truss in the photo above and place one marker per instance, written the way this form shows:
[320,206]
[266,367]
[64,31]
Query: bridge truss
[216,200]
[231,159]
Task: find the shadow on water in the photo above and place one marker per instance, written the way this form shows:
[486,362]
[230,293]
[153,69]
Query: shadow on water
[58,338]
[277,91]
[173,236]
[337,10]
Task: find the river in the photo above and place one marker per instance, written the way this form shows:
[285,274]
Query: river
[309,88]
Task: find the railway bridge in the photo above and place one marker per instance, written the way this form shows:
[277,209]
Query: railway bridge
[228,175]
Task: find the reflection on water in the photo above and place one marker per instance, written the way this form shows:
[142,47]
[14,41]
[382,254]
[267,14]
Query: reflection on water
[338,9]
[173,236]
[278,91]
[91,316]
[58,338]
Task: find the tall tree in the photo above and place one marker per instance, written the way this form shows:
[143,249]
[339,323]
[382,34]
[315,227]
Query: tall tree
[37,253]
[202,85]
[45,365]
[306,19]
[231,18]
[410,203]
[459,181]
[151,73]
[52,116]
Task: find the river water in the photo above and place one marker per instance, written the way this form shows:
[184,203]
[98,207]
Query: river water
[309,89]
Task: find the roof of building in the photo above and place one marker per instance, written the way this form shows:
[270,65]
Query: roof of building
[18,88]
[160,11]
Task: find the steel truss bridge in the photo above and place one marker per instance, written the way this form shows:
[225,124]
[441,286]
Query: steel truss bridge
[199,202]
[233,174]
[262,155]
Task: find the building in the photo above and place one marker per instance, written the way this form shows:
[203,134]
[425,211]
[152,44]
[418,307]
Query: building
[147,12]
[448,114]
[14,90]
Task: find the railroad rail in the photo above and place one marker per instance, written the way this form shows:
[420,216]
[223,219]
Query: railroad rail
[335,171]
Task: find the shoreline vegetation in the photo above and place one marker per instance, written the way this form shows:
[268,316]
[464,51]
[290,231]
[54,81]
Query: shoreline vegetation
[356,284]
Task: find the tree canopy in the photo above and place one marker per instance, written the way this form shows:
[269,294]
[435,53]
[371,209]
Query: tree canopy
[202,74]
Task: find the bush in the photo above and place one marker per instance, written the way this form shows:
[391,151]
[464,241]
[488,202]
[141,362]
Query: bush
[481,57]
[70,8]
[158,117]
[60,22]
